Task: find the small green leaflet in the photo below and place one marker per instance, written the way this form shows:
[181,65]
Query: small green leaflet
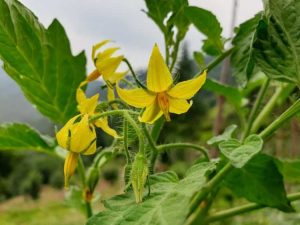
[40,61]
[240,153]
[227,134]
[168,201]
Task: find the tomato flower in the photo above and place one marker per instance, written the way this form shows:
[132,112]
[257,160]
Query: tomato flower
[78,136]
[162,97]
[106,65]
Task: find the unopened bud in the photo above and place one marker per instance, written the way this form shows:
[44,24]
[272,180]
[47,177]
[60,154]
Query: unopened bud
[139,173]
[92,178]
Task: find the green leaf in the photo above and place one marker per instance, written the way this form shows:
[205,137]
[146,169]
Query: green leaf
[242,56]
[227,134]
[232,95]
[239,154]
[200,60]
[207,23]
[40,61]
[15,136]
[158,11]
[260,181]
[168,202]
[277,44]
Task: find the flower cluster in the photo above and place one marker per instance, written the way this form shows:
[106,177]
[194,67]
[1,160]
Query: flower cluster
[159,98]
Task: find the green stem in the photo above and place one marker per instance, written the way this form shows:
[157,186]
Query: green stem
[219,216]
[256,106]
[166,50]
[201,149]
[263,115]
[137,131]
[81,171]
[111,113]
[209,186]
[289,113]
[219,59]
[125,140]
[175,54]
[137,81]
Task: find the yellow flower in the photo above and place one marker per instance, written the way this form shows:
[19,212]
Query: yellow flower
[88,106]
[162,97]
[107,66]
[78,135]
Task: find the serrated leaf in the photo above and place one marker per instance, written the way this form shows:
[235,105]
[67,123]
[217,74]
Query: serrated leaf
[167,203]
[207,23]
[232,95]
[226,135]
[276,47]
[239,154]
[242,56]
[40,61]
[260,181]
[15,136]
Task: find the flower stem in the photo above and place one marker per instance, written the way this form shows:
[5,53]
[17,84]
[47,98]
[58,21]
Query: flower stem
[81,171]
[243,209]
[219,59]
[137,81]
[125,140]
[201,149]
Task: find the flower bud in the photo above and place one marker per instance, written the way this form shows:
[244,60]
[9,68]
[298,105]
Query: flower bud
[70,166]
[139,173]
[92,178]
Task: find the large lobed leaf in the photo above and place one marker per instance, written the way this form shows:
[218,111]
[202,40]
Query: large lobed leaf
[22,137]
[277,44]
[260,181]
[242,60]
[40,61]
[168,202]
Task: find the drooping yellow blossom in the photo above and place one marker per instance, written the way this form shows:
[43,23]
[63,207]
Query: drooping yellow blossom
[78,135]
[162,97]
[106,65]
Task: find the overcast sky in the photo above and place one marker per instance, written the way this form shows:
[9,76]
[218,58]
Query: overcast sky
[90,21]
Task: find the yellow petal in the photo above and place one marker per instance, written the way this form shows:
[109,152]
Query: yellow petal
[115,77]
[70,166]
[86,105]
[97,46]
[151,113]
[103,124]
[108,66]
[106,53]
[159,78]
[92,149]
[179,106]
[136,97]
[82,135]
[189,88]
[62,136]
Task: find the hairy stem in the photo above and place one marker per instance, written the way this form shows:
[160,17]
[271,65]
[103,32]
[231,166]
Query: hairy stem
[137,81]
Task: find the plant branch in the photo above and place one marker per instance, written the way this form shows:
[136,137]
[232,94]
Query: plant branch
[137,81]
[244,209]
[201,149]
[219,59]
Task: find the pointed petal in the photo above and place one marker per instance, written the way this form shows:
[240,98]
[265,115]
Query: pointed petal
[82,135]
[138,97]
[151,113]
[110,94]
[103,124]
[106,53]
[97,46]
[179,106]
[62,136]
[187,89]
[115,77]
[108,66]
[91,150]
[159,78]
[70,166]
[86,105]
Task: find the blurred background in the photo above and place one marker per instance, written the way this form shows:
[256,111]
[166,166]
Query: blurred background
[31,184]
